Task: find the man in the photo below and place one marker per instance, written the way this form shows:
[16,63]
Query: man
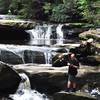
[72,72]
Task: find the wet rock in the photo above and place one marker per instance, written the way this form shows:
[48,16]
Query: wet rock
[60,50]
[72,30]
[9,79]
[73,96]
[10,57]
[34,57]
[60,60]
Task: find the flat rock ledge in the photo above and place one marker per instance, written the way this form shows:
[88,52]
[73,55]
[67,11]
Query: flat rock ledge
[73,96]
[48,79]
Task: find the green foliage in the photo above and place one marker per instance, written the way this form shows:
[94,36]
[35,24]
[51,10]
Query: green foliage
[66,12]
[4,6]
[89,10]
[28,9]
[83,7]
[15,6]
[59,13]
[54,10]
[47,7]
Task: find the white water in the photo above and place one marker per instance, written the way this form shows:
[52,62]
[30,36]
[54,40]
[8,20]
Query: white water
[40,35]
[19,51]
[59,34]
[45,34]
[24,91]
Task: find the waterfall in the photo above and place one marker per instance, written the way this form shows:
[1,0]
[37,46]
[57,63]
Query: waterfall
[40,35]
[37,34]
[25,83]
[46,34]
[60,36]
[24,91]
[48,57]
[26,54]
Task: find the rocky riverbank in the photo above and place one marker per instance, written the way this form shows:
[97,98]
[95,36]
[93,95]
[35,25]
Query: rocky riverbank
[52,79]
[47,79]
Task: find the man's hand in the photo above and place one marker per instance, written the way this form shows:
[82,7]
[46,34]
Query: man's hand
[68,64]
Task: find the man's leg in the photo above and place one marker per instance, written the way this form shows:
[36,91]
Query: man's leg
[69,84]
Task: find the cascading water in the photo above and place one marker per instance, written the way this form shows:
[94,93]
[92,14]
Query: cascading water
[39,34]
[25,54]
[24,91]
[60,35]
[46,34]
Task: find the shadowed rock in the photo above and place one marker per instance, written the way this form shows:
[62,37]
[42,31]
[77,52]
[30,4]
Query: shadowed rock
[34,57]
[91,60]
[10,57]
[13,35]
[9,79]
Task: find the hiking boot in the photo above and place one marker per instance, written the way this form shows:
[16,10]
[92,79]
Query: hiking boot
[73,90]
[67,90]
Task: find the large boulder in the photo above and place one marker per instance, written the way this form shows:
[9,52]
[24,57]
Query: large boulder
[9,79]
[59,57]
[95,34]
[10,57]
[59,60]
[91,60]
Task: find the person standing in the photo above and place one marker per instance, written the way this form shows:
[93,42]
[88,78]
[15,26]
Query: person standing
[73,64]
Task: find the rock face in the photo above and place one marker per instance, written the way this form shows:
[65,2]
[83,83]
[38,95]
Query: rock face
[9,79]
[91,60]
[10,57]
[73,96]
[34,56]
[87,54]
[21,54]
[13,35]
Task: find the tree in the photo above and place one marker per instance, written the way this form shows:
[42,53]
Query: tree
[83,6]
[66,12]
[4,6]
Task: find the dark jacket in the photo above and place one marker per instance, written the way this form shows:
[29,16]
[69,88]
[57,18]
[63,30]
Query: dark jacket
[72,70]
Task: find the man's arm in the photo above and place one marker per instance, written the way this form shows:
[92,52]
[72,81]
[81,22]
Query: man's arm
[76,66]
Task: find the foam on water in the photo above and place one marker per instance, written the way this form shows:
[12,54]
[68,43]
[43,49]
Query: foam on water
[24,91]
[28,95]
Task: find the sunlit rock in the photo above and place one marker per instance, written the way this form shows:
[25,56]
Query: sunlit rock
[73,96]
[95,34]
[60,60]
